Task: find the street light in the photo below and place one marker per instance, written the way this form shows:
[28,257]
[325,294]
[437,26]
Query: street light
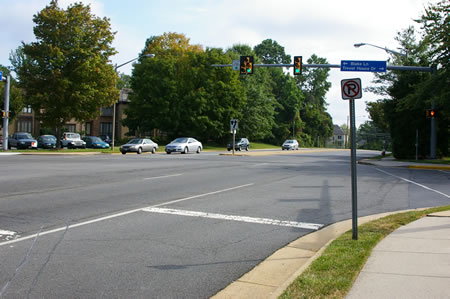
[115,102]
[386,49]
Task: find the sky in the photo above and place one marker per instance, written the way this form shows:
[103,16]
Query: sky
[327,28]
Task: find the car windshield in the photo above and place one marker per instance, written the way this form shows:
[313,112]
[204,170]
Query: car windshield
[180,140]
[96,139]
[48,138]
[135,141]
[24,136]
[289,141]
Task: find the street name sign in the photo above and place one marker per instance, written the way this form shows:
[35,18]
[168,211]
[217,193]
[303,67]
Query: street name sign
[1,76]
[363,66]
[351,89]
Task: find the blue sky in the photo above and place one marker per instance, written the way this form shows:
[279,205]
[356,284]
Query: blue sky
[327,28]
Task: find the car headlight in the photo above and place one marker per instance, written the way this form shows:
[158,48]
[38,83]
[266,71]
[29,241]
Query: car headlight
[21,142]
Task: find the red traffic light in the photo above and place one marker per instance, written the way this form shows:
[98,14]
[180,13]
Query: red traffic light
[430,113]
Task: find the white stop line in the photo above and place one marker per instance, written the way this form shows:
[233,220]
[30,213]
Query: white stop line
[313,226]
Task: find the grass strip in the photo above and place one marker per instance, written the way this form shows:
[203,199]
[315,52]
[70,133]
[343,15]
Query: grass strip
[334,272]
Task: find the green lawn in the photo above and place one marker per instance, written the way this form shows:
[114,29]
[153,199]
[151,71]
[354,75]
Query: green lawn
[334,272]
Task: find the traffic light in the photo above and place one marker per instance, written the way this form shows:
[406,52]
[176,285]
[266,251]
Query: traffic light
[430,113]
[246,65]
[297,65]
[3,114]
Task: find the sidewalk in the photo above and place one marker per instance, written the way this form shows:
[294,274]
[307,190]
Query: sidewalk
[411,262]
[391,162]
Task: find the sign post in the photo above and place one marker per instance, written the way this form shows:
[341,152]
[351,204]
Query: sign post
[233,128]
[351,90]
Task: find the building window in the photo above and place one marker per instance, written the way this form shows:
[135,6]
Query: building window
[339,137]
[27,109]
[24,125]
[88,129]
[106,129]
[70,128]
[108,111]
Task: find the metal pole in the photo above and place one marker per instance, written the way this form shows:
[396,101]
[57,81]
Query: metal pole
[234,137]
[417,144]
[353,170]
[433,139]
[6,108]
[113,126]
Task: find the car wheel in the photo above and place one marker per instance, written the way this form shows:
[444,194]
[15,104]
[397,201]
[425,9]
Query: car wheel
[246,148]
[199,150]
[185,151]
[153,150]
[123,153]
[139,151]
[168,153]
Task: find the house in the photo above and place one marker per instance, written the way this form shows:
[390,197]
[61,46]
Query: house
[339,138]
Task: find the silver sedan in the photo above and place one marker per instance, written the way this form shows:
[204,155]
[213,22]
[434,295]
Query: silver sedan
[139,145]
[184,145]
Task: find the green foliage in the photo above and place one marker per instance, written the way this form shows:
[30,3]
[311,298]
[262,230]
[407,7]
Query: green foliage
[271,52]
[180,93]
[372,137]
[409,94]
[16,97]
[66,72]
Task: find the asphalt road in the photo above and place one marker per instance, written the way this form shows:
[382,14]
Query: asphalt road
[147,226]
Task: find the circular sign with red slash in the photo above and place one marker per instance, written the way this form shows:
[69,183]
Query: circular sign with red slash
[351,89]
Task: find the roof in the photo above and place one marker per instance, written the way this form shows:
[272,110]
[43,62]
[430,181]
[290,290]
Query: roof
[338,131]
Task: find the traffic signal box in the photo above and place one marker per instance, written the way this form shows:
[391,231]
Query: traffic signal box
[430,113]
[297,65]
[246,65]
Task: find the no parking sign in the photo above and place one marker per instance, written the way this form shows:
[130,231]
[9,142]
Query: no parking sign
[351,89]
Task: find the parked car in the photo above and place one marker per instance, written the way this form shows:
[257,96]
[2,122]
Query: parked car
[184,145]
[72,140]
[139,145]
[290,144]
[106,139]
[95,142]
[46,141]
[22,140]
[240,144]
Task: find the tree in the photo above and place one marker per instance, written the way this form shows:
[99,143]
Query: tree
[314,85]
[65,72]
[16,98]
[271,52]
[180,93]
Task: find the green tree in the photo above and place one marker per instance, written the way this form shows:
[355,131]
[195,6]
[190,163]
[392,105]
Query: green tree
[66,72]
[271,52]
[180,93]
[258,112]
[314,85]
[16,97]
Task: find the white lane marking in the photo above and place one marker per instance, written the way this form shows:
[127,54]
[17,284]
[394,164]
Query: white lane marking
[200,195]
[162,177]
[305,225]
[259,164]
[117,215]
[412,182]
[444,171]
[7,232]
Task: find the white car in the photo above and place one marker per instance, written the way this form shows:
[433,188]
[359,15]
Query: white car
[72,140]
[184,145]
[139,145]
[290,144]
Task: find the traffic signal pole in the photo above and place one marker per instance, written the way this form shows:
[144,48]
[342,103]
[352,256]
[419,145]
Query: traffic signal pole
[6,109]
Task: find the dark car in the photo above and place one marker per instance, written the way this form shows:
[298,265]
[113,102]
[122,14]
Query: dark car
[22,140]
[95,142]
[106,139]
[240,144]
[46,141]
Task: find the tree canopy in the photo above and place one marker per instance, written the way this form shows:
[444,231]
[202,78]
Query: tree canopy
[66,72]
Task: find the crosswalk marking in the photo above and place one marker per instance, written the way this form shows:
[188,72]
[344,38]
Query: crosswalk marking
[305,225]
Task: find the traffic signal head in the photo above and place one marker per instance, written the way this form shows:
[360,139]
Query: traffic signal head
[297,65]
[430,113]
[246,65]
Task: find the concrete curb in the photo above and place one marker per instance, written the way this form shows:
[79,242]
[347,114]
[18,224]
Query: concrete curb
[272,276]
